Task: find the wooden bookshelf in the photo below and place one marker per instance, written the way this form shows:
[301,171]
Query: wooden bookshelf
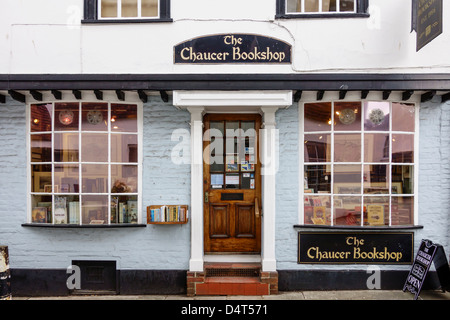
[167,214]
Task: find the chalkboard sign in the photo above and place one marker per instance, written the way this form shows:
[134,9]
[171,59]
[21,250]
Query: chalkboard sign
[428,253]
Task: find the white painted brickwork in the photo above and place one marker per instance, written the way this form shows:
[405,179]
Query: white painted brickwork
[152,247]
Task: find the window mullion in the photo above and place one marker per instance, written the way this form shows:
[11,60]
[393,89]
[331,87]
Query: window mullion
[139,8]
[119,8]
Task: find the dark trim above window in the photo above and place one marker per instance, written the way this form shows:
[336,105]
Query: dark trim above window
[91,14]
[361,12]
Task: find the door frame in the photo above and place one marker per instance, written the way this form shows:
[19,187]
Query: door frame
[200,102]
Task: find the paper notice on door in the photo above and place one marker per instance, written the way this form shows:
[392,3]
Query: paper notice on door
[232,179]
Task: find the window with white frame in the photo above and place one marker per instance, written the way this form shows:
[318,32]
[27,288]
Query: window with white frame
[321,8]
[84,163]
[359,163]
[126,11]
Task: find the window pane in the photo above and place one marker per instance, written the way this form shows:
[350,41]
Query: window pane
[124,209]
[403,117]
[41,117]
[376,211]
[41,148]
[402,148]
[376,116]
[124,148]
[109,8]
[347,211]
[66,116]
[317,209]
[317,148]
[67,209]
[66,147]
[317,179]
[129,8]
[347,5]
[347,148]
[41,209]
[317,117]
[376,179]
[149,8]
[94,178]
[123,117]
[347,178]
[41,178]
[94,147]
[66,178]
[311,5]
[124,178]
[402,179]
[402,210]
[94,116]
[328,5]
[347,116]
[293,6]
[376,147]
[94,209]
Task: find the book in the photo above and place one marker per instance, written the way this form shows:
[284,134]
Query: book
[132,211]
[39,215]
[114,209]
[74,212]
[60,210]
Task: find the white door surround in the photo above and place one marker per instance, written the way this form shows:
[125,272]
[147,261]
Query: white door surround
[264,102]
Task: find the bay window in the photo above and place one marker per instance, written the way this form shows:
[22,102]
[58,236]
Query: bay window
[84,163]
[359,163]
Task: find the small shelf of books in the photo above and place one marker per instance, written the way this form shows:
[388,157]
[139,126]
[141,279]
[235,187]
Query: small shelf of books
[167,214]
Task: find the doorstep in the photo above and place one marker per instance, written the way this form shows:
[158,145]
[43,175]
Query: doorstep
[232,279]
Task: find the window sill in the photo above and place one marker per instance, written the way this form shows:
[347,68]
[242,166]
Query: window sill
[322,15]
[372,228]
[110,21]
[101,226]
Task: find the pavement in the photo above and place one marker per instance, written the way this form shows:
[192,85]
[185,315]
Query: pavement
[385,295]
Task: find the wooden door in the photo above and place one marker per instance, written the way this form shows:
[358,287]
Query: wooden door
[232,184]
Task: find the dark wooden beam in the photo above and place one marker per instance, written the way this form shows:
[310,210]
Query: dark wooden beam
[427,96]
[406,95]
[17,96]
[98,94]
[57,94]
[445,97]
[142,96]
[364,94]
[120,95]
[77,94]
[2,98]
[36,95]
[298,95]
[164,95]
[320,94]
[386,94]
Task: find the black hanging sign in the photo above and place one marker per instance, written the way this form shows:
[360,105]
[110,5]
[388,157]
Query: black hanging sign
[427,21]
[233,48]
[428,253]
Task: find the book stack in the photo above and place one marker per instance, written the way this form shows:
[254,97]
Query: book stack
[167,214]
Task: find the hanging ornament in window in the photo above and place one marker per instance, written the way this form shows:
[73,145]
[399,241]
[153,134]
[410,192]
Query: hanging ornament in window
[66,117]
[376,116]
[94,117]
[347,116]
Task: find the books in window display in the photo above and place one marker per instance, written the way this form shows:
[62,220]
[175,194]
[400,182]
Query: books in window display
[167,214]
[60,213]
[123,211]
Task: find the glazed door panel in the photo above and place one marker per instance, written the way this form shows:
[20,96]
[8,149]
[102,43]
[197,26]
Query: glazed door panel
[232,184]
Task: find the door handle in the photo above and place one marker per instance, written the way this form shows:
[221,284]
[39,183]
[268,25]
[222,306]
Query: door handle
[257,213]
[206,197]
